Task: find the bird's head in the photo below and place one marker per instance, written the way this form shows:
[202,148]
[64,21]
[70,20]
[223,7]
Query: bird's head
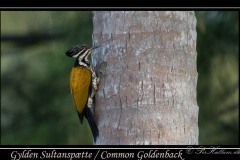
[80,51]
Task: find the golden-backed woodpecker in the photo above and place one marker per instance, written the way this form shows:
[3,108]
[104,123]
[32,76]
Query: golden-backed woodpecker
[83,84]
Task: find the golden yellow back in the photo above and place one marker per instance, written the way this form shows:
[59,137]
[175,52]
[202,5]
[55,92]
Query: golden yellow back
[80,80]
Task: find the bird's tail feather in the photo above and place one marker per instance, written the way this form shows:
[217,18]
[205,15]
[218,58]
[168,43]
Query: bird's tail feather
[92,123]
[81,115]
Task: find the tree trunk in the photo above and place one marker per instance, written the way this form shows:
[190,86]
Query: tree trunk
[148,77]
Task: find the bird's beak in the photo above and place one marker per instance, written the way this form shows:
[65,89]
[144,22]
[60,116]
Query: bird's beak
[95,47]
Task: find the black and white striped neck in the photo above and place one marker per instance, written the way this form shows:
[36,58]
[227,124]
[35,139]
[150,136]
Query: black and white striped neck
[82,63]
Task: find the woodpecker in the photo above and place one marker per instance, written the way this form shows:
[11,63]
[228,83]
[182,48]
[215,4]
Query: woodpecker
[83,84]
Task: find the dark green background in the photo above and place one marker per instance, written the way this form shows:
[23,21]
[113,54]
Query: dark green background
[36,106]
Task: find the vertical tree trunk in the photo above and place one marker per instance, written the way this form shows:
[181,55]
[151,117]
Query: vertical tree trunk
[147,64]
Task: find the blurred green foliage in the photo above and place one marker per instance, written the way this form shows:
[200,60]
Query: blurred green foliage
[218,76]
[36,105]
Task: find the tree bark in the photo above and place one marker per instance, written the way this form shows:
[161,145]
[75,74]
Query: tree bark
[148,77]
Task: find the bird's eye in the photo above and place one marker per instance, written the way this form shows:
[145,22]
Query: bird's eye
[82,48]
